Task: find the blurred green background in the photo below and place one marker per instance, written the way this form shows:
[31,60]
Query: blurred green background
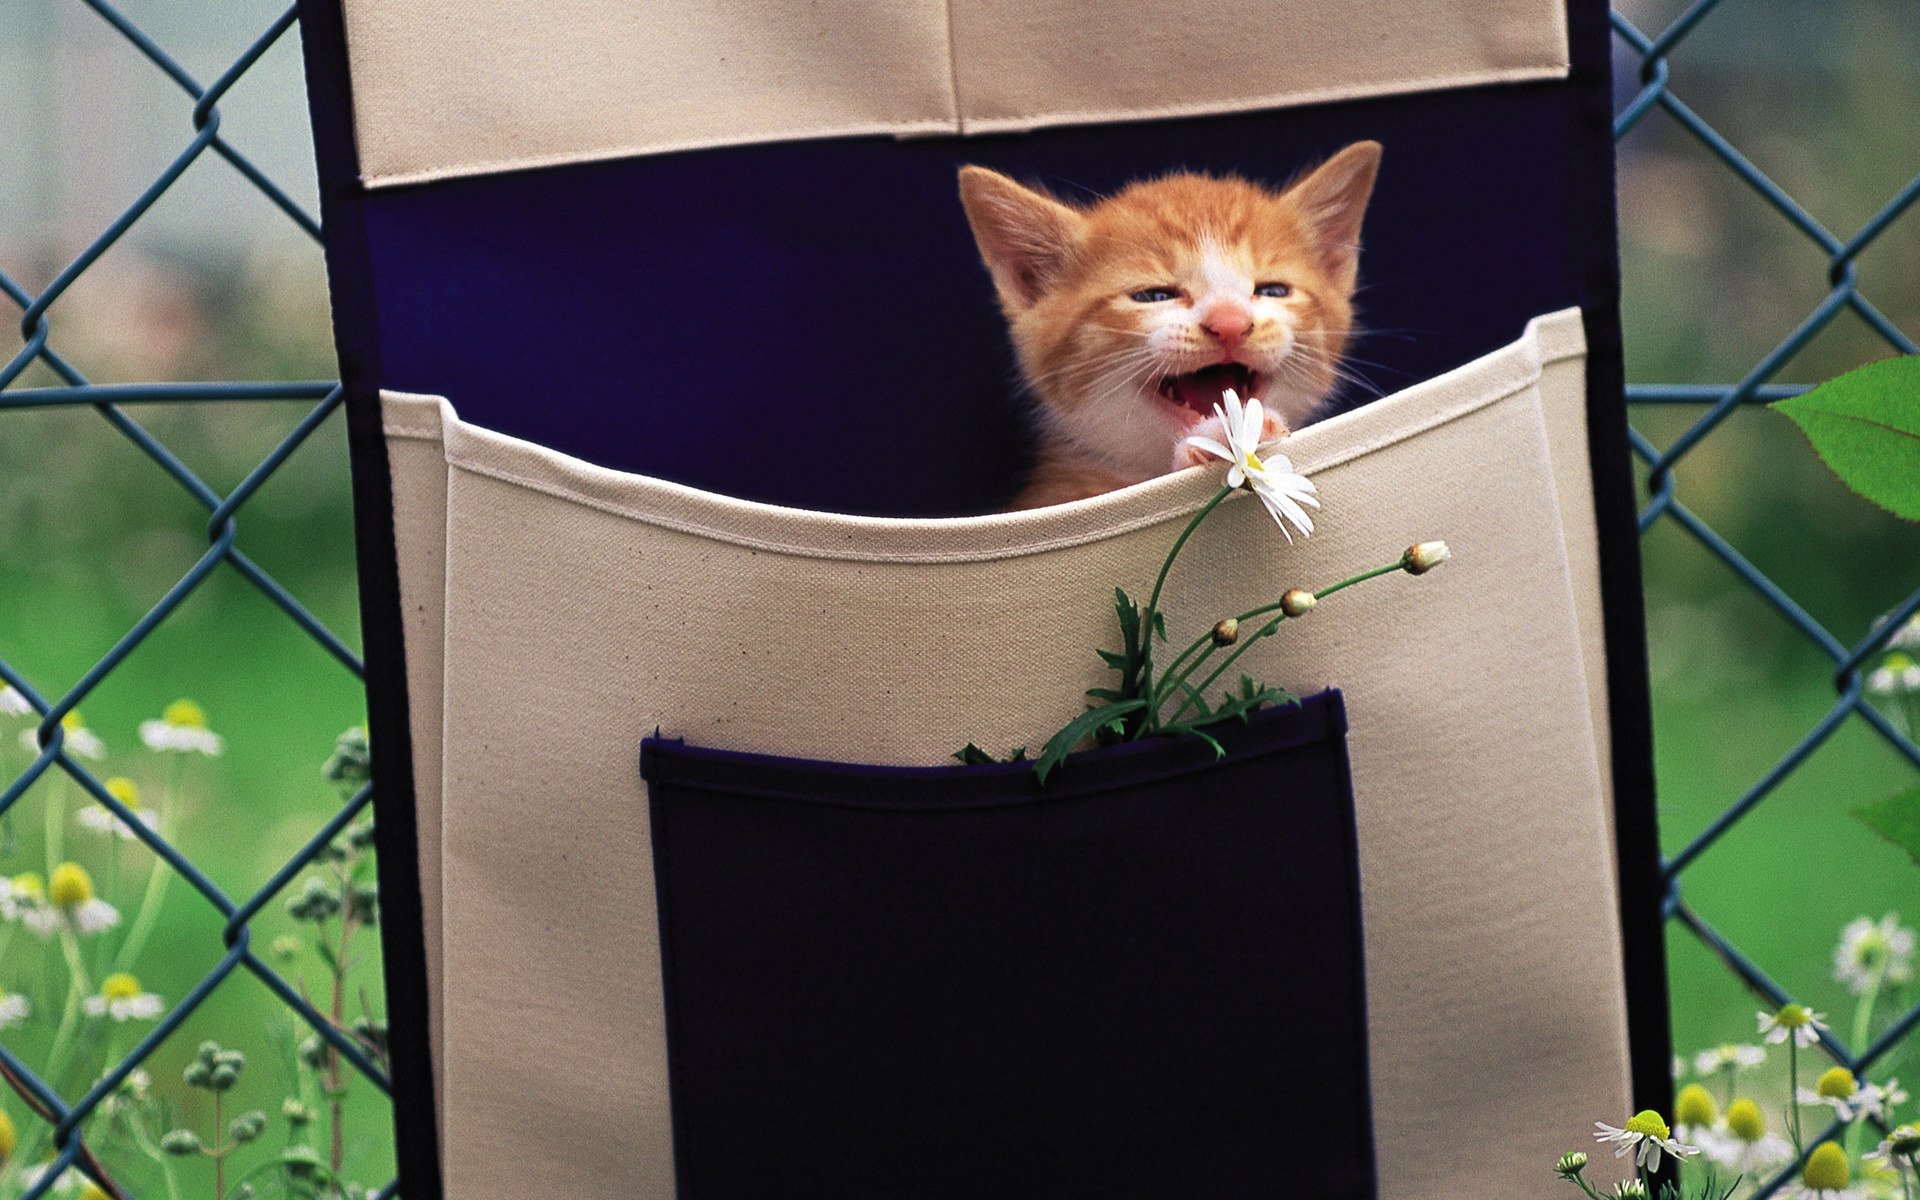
[216,284]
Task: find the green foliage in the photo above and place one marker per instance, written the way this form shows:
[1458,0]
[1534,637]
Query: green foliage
[1896,818]
[1865,425]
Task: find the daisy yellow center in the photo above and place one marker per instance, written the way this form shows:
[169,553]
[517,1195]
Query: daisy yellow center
[119,987]
[1837,1083]
[1746,1121]
[1899,660]
[93,1191]
[125,790]
[1648,1123]
[1694,1106]
[1826,1169]
[185,712]
[9,1137]
[70,886]
[1871,948]
[1252,463]
[30,885]
[72,721]
[1793,1016]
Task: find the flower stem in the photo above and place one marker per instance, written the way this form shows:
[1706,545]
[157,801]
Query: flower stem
[158,876]
[1151,615]
[1793,1089]
[1271,626]
[1862,1026]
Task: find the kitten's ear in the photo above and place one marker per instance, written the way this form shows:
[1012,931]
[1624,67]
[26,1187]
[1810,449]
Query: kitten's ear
[1334,198]
[1024,235]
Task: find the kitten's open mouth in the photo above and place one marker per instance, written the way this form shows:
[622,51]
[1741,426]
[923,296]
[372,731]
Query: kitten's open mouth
[1198,391]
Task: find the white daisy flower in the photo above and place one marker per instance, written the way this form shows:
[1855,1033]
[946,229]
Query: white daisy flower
[70,895]
[1907,637]
[80,741]
[122,998]
[1849,1098]
[1826,1176]
[1729,1056]
[182,728]
[24,899]
[96,816]
[1867,948]
[1796,1020]
[1896,675]
[1645,1135]
[1256,467]
[1694,1114]
[1899,1150]
[13,1009]
[12,703]
[1743,1143]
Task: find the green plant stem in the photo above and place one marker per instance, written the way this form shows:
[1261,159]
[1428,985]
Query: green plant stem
[1160,581]
[1793,1090]
[1204,643]
[1268,629]
[78,986]
[1862,1027]
[159,875]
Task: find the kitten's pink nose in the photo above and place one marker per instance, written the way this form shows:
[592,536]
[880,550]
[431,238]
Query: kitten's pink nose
[1228,323]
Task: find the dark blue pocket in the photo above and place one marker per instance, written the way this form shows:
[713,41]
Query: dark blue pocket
[1142,980]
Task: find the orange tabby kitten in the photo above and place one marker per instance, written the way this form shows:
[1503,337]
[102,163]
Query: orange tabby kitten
[1133,315]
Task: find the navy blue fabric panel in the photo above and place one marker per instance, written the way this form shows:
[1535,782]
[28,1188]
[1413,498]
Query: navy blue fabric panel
[1144,980]
[808,323]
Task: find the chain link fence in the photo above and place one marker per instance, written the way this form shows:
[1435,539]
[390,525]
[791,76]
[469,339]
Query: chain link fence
[66,1117]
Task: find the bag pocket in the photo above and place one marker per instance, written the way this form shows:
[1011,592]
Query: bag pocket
[1142,980]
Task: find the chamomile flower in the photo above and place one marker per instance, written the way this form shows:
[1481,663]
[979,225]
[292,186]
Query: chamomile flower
[1644,1136]
[1694,1114]
[1257,467]
[66,1185]
[1797,1021]
[122,998]
[24,899]
[1899,1150]
[1729,1056]
[70,894]
[1744,1144]
[79,741]
[182,728]
[13,1009]
[1849,1098]
[12,703]
[99,819]
[1896,675]
[1826,1175]
[1871,951]
[1907,637]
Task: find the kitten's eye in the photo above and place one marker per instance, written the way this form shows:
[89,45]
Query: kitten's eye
[1153,295]
[1274,290]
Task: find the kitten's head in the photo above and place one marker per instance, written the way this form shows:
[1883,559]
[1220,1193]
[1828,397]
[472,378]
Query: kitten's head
[1132,315]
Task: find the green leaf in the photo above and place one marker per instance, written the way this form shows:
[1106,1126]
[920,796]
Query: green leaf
[1079,730]
[1219,751]
[972,755]
[1866,427]
[1117,661]
[1897,819]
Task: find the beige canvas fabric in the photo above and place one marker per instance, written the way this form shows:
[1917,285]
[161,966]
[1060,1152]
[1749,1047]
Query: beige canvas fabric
[443,88]
[584,607]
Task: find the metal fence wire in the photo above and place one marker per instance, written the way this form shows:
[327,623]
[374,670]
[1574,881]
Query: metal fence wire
[1655,99]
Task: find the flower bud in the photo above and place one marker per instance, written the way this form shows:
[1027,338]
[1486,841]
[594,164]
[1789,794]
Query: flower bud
[1571,1164]
[1297,602]
[247,1126]
[1227,632]
[223,1077]
[287,947]
[1424,557]
[312,1051]
[296,1113]
[197,1074]
[181,1142]
[1630,1189]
